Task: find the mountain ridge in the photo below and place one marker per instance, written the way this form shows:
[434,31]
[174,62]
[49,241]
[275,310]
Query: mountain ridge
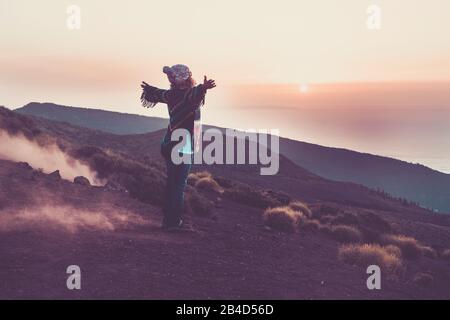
[109,121]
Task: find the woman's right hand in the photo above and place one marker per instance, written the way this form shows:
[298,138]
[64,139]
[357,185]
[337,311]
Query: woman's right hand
[144,85]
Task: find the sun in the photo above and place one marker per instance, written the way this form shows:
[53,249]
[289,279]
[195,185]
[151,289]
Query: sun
[304,88]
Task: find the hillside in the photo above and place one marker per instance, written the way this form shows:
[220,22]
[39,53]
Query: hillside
[414,182]
[111,230]
[113,122]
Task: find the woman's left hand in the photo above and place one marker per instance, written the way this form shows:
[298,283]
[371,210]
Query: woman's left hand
[209,84]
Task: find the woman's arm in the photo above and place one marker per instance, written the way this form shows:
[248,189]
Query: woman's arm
[197,94]
[151,95]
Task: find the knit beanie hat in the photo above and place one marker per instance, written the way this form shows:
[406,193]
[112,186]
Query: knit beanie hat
[177,74]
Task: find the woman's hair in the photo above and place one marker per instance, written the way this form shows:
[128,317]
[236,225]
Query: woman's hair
[189,83]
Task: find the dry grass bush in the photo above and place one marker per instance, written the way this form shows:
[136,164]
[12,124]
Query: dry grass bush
[197,204]
[374,222]
[295,215]
[410,247]
[144,182]
[326,219]
[428,252]
[301,207]
[244,194]
[370,225]
[281,197]
[203,174]
[224,182]
[393,250]
[15,123]
[395,227]
[326,229]
[423,279]
[343,233]
[324,210]
[192,179]
[208,184]
[345,218]
[370,254]
[445,254]
[309,225]
[282,218]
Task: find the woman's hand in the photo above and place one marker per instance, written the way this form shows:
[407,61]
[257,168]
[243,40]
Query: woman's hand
[209,84]
[144,85]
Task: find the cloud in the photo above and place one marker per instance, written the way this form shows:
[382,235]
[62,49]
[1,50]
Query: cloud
[70,72]
[49,158]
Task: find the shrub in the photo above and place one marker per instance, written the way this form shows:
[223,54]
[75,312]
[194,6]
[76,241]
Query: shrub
[370,235]
[445,254]
[393,250]
[282,218]
[143,182]
[374,222]
[203,174]
[344,233]
[15,123]
[428,252]
[326,219]
[209,184]
[345,218]
[281,197]
[423,279]
[370,254]
[369,224]
[309,225]
[395,228]
[82,181]
[145,186]
[192,179]
[326,229]
[224,182]
[410,247]
[301,207]
[328,210]
[245,194]
[197,204]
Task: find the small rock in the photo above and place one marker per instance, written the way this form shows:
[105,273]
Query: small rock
[34,175]
[114,186]
[82,181]
[423,279]
[24,165]
[55,175]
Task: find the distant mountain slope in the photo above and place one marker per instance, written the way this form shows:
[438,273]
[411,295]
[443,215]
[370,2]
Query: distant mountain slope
[414,182]
[113,122]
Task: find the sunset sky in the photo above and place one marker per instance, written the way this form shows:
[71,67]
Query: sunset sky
[310,68]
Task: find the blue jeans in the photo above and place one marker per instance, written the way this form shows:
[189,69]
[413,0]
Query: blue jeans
[174,199]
